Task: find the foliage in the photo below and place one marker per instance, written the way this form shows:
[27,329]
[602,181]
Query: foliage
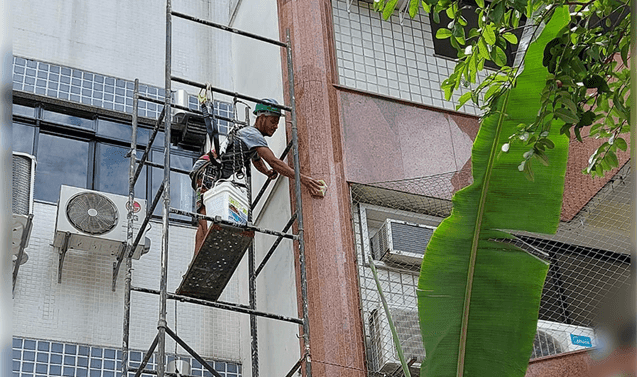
[588,81]
[478,298]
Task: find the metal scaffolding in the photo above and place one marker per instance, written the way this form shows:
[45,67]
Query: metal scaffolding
[135,167]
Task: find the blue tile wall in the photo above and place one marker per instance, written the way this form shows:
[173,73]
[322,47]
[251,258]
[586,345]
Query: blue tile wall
[41,358]
[97,90]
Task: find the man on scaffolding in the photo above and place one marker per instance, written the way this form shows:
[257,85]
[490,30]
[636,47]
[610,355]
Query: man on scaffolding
[243,145]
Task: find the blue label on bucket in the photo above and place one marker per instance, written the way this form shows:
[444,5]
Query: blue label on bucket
[580,340]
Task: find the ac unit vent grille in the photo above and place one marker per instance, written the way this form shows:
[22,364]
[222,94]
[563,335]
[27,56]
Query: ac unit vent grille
[408,330]
[92,213]
[22,175]
[409,238]
[545,345]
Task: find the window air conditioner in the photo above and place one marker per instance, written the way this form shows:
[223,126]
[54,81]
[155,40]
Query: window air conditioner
[384,355]
[401,242]
[553,338]
[97,221]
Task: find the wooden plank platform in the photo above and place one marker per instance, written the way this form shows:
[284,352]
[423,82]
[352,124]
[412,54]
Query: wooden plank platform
[217,259]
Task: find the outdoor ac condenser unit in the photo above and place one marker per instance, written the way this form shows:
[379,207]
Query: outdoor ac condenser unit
[553,338]
[384,355]
[401,242]
[97,221]
[22,203]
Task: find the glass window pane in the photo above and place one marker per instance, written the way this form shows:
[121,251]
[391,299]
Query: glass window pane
[25,111]
[68,120]
[60,161]
[23,138]
[111,171]
[114,130]
[182,195]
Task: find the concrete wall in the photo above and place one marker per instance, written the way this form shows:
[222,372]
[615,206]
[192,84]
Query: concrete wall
[83,309]
[125,39]
[257,71]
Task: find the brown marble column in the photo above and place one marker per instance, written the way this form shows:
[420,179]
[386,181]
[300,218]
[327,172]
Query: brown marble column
[336,334]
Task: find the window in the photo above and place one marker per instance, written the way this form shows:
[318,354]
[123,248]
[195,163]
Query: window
[89,151]
[444,48]
[61,161]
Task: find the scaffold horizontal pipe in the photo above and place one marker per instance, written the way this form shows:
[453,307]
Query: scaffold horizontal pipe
[267,182]
[197,112]
[229,29]
[153,100]
[154,372]
[220,221]
[274,246]
[220,305]
[150,144]
[149,214]
[228,93]
[161,166]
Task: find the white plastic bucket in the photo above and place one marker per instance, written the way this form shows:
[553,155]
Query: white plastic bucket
[227,201]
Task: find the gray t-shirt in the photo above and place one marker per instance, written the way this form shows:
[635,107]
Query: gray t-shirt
[249,138]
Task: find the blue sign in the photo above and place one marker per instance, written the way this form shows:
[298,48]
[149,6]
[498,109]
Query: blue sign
[580,340]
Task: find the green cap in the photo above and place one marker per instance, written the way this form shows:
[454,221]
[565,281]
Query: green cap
[262,108]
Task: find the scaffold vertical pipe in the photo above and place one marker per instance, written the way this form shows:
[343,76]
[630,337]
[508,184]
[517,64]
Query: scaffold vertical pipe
[299,211]
[163,295]
[129,230]
[252,285]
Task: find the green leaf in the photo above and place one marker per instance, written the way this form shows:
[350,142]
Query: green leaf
[611,158]
[413,8]
[499,57]
[389,8]
[510,37]
[472,290]
[621,144]
[480,3]
[489,34]
[624,53]
[463,99]
[443,33]
[498,13]
[566,115]
[483,50]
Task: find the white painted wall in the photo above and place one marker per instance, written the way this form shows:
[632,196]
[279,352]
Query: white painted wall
[258,72]
[125,39]
[83,309]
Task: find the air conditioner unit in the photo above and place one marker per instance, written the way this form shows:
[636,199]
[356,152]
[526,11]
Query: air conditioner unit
[384,355]
[22,204]
[97,221]
[401,242]
[553,338]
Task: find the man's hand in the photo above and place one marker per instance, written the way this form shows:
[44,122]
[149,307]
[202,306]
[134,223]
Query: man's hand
[272,174]
[314,187]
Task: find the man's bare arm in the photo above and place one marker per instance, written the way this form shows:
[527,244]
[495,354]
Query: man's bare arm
[282,168]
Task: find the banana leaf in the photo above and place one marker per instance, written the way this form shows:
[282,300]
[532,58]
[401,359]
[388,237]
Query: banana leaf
[478,299]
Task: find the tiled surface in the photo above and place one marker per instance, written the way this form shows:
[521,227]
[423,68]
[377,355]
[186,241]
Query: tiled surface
[391,57]
[93,89]
[36,357]
[83,309]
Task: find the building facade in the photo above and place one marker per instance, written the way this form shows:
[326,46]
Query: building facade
[372,122]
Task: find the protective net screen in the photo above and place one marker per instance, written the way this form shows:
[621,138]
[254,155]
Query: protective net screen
[589,260]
